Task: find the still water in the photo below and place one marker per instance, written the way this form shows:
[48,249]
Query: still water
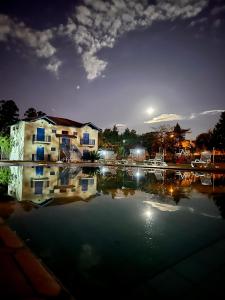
[106,233]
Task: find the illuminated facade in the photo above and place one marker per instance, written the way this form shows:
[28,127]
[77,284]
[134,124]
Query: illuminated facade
[52,139]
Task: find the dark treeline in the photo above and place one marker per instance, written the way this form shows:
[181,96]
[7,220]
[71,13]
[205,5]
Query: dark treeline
[9,115]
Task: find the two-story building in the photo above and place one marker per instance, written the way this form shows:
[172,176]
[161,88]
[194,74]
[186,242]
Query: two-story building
[52,139]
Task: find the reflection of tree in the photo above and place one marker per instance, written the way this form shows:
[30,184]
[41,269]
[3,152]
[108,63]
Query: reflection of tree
[90,171]
[112,183]
[6,208]
[27,205]
[220,203]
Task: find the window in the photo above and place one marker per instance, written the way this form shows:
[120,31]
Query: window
[39,171]
[64,132]
[53,130]
[53,149]
[41,134]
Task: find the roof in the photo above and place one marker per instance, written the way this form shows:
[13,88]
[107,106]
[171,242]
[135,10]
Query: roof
[65,122]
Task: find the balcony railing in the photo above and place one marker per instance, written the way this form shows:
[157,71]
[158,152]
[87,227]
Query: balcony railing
[87,142]
[42,139]
[46,157]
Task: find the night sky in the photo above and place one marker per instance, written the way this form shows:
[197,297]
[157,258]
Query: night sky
[140,64]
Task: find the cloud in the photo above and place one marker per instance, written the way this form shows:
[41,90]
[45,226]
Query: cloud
[175,117]
[98,24]
[212,112]
[165,118]
[94,25]
[217,10]
[38,41]
[199,21]
[217,23]
[53,66]
[120,125]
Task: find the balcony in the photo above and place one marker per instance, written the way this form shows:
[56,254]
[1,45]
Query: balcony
[42,139]
[89,142]
[45,157]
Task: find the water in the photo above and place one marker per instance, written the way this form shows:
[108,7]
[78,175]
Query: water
[107,233]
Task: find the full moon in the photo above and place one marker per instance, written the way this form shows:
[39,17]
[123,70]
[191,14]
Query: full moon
[150,110]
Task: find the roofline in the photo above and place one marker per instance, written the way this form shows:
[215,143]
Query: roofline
[92,125]
[51,121]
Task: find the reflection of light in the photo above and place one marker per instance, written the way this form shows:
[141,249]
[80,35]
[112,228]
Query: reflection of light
[103,170]
[138,174]
[138,151]
[103,152]
[148,214]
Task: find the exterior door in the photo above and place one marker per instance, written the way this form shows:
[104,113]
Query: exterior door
[86,138]
[65,143]
[40,134]
[86,155]
[40,154]
[38,187]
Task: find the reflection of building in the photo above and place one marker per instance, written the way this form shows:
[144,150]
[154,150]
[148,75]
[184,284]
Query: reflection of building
[41,184]
[51,139]
[138,153]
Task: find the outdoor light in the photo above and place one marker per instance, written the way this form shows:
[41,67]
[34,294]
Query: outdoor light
[171,190]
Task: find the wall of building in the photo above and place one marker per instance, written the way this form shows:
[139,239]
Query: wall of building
[17,134]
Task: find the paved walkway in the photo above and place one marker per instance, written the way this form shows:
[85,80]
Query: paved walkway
[22,275]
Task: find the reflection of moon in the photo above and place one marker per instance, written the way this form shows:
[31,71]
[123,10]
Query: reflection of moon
[150,110]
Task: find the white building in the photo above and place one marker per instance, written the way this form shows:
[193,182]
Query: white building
[52,139]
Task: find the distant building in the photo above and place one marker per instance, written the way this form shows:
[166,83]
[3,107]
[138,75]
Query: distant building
[107,154]
[138,153]
[51,139]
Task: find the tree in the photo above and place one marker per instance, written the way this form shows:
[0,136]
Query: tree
[111,136]
[94,155]
[32,113]
[5,146]
[218,135]
[179,134]
[9,115]
[204,141]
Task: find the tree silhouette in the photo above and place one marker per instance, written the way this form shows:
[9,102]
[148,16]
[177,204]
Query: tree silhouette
[9,115]
[32,113]
[204,141]
[219,133]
